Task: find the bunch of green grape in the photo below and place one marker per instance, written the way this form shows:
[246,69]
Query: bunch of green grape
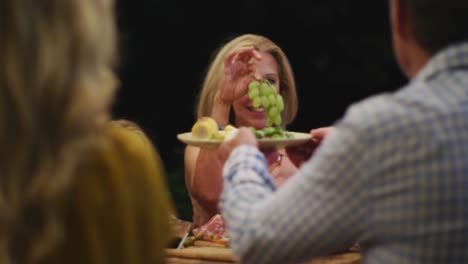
[271,132]
[263,93]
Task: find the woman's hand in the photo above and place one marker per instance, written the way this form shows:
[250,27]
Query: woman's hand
[300,153]
[239,71]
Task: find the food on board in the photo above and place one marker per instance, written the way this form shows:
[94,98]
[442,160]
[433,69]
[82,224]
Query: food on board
[214,231]
[204,128]
[207,128]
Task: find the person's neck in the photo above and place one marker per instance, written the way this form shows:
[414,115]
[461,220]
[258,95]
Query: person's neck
[419,58]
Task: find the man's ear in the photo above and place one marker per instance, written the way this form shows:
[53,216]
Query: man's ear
[399,19]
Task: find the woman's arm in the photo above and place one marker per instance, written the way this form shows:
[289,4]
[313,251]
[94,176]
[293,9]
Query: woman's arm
[203,181]
[203,167]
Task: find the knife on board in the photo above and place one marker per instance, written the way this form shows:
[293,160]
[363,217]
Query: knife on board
[182,231]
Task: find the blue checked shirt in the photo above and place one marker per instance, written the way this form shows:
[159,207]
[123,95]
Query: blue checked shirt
[392,176]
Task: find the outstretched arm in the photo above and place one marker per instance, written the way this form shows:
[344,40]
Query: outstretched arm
[300,153]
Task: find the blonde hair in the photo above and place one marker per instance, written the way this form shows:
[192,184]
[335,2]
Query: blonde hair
[135,130]
[215,74]
[56,86]
[119,208]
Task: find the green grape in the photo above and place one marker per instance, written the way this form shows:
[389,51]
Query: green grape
[277,120]
[253,92]
[257,102]
[268,131]
[278,130]
[254,85]
[279,102]
[257,133]
[269,122]
[273,112]
[265,102]
[264,94]
[265,89]
[272,99]
[277,136]
[272,90]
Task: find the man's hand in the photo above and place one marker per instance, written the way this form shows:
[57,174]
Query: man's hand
[300,153]
[243,136]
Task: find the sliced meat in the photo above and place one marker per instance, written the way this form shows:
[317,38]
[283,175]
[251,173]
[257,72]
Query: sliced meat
[214,230]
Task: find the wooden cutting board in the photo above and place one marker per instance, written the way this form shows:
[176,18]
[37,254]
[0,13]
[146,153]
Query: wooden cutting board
[177,260]
[202,243]
[342,258]
[217,255]
[202,253]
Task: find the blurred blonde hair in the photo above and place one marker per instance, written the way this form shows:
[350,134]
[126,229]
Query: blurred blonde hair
[215,74]
[56,86]
[119,207]
[131,126]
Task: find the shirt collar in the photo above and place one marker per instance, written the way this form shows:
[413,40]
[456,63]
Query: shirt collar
[453,56]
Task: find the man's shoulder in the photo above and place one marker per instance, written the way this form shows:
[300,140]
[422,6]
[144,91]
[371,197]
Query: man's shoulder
[385,113]
[377,108]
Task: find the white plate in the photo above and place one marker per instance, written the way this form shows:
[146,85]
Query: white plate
[297,138]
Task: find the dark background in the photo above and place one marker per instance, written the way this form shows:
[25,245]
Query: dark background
[340,51]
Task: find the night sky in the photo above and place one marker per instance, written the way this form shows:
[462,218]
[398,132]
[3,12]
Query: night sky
[340,52]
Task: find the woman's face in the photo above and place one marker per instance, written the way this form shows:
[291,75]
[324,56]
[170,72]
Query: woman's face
[245,113]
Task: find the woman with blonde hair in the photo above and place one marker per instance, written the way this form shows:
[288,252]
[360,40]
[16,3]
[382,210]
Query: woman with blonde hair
[224,98]
[71,190]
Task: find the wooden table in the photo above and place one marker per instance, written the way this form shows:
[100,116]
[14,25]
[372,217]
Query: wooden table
[207,254]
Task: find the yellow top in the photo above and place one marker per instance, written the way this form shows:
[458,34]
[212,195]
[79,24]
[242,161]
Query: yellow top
[119,208]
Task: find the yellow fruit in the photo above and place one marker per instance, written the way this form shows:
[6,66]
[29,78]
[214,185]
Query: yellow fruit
[204,128]
[229,132]
[211,122]
[229,128]
[219,135]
